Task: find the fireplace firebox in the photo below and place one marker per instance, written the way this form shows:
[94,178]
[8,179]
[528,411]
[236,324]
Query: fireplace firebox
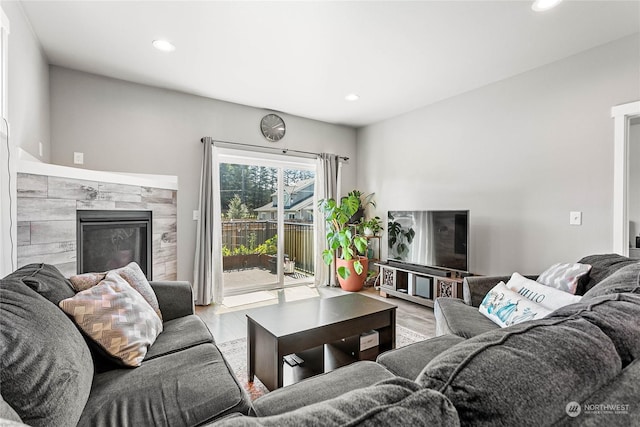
[109,239]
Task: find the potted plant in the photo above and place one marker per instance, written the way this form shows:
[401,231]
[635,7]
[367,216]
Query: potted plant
[372,226]
[345,241]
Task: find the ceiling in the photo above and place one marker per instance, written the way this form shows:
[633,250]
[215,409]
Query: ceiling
[303,57]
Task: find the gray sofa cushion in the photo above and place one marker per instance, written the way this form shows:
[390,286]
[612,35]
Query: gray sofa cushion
[525,374]
[319,388]
[393,402]
[186,388]
[623,280]
[617,315]
[180,334]
[455,317]
[602,266]
[45,366]
[46,280]
[7,413]
[623,390]
[409,361]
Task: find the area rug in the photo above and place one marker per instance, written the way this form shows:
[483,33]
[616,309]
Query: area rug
[236,354]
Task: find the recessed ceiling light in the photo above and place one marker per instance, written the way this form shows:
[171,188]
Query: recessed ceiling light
[542,5]
[163,45]
[352,97]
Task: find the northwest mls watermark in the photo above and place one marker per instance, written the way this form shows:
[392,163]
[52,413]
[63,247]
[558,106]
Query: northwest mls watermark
[573,409]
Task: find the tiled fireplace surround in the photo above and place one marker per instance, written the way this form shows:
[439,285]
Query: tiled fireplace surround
[46,211]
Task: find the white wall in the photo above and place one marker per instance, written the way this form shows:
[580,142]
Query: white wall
[520,154]
[28,115]
[28,76]
[127,127]
[634,184]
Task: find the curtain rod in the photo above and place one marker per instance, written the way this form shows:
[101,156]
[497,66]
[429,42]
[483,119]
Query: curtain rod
[281,150]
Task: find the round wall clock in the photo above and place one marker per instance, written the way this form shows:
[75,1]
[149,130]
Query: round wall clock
[272,127]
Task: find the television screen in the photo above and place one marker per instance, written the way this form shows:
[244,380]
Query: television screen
[429,238]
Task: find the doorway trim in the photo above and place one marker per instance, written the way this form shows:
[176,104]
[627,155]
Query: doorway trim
[622,115]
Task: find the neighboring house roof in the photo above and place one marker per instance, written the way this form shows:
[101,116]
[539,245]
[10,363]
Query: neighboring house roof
[303,204]
[292,191]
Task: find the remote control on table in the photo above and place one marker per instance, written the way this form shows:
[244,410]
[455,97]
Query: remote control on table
[290,360]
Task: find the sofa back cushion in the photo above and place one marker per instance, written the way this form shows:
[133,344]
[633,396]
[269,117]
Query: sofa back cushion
[45,366]
[525,374]
[46,280]
[602,266]
[626,279]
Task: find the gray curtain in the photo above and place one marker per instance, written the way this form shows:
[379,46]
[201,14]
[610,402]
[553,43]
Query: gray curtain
[203,277]
[328,186]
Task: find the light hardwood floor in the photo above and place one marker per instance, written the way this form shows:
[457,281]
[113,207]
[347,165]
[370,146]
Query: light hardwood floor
[229,323]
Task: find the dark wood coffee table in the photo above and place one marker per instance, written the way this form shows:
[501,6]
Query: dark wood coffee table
[278,330]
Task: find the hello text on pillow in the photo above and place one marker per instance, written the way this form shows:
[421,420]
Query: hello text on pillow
[548,297]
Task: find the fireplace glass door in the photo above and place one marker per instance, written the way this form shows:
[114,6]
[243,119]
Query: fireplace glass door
[112,239]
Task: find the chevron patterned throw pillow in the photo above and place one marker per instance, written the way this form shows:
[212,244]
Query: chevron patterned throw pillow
[131,272]
[116,317]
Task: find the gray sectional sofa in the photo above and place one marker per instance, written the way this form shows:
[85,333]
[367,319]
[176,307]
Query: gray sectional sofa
[578,366]
[51,376]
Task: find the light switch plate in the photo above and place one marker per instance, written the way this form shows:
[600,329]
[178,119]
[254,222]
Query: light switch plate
[575,218]
[78,158]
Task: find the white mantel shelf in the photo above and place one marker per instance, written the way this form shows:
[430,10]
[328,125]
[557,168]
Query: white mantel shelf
[36,167]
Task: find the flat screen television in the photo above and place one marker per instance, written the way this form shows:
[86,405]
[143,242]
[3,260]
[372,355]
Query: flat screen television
[429,238]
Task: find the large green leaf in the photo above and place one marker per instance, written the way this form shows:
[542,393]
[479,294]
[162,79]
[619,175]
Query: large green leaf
[361,244]
[351,204]
[357,267]
[343,272]
[327,256]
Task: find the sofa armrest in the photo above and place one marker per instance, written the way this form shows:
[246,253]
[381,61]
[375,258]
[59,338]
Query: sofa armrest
[175,298]
[474,288]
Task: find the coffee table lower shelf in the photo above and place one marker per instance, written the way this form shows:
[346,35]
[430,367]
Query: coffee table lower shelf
[326,358]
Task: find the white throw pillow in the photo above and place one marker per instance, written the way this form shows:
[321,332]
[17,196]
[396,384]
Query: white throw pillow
[546,296]
[506,307]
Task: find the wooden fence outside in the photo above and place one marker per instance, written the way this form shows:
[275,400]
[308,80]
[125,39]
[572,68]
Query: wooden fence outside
[298,239]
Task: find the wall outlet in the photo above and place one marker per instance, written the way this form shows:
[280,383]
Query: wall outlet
[40,149]
[196,215]
[78,158]
[575,218]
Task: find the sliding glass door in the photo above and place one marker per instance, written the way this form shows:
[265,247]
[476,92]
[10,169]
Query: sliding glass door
[266,207]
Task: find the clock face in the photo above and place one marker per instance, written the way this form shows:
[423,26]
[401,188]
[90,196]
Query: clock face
[273,127]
